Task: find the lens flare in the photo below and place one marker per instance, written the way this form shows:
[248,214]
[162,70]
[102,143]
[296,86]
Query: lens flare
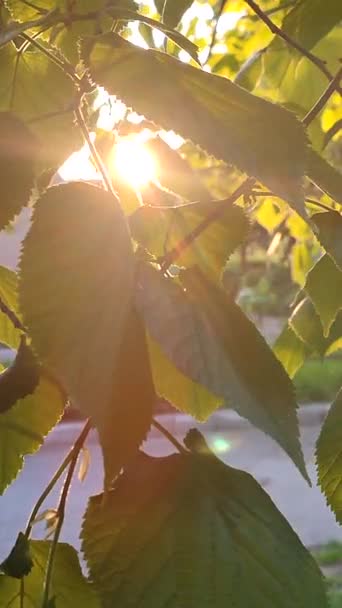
[133,163]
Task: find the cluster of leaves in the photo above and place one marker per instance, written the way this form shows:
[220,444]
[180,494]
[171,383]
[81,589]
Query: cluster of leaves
[184,530]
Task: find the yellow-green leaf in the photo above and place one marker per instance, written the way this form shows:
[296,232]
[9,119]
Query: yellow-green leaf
[69,588]
[24,426]
[329,457]
[329,226]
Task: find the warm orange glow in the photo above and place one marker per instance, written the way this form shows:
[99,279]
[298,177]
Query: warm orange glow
[133,162]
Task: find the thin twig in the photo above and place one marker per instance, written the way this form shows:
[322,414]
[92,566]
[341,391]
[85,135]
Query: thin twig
[293,43]
[216,213]
[16,29]
[77,446]
[320,103]
[62,64]
[336,127]
[272,11]
[12,316]
[169,436]
[93,151]
[214,34]
[61,512]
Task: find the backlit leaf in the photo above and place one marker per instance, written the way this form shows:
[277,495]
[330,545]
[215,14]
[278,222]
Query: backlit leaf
[306,323]
[177,388]
[76,276]
[290,350]
[208,338]
[187,530]
[18,157]
[173,10]
[9,334]
[210,110]
[329,457]
[47,106]
[324,286]
[161,229]
[69,588]
[301,262]
[24,427]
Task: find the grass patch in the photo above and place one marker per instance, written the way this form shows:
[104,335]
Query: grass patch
[330,555]
[319,380]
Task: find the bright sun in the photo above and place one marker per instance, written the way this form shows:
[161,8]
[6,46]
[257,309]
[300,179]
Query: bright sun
[134,163]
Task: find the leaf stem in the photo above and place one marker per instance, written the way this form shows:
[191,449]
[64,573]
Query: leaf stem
[61,510]
[76,448]
[216,213]
[320,103]
[168,436]
[290,41]
[214,33]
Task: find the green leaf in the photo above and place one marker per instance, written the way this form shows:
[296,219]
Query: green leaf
[47,106]
[326,177]
[175,173]
[329,457]
[69,588]
[290,350]
[222,118]
[173,11]
[20,379]
[177,388]
[208,338]
[19,562]
[161,229]
[310,20]
[18,157]
[187,530]
[329,226]
[24,427]
[76,277]
[9,334]
[307,325]
[324,286]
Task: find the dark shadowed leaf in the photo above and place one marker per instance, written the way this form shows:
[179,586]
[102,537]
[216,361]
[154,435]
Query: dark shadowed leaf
[208,338]
[129,416]
[187,530]
[19,562]
[290,350]
[325,176]
[210,110]
[69,588]
[18,158]
[76,276]
[173,10]
[20,379]
[329,226]
[324,286]
[24,427]
[161,229]
[329,457]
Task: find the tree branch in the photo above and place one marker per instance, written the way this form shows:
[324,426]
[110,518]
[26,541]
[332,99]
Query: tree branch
[320,103]
[214,34]
[168,436]
[216,213]
[293,43]
[61,512]
[76,448]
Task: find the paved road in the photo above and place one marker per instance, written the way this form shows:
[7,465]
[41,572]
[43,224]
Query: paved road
[244,448]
